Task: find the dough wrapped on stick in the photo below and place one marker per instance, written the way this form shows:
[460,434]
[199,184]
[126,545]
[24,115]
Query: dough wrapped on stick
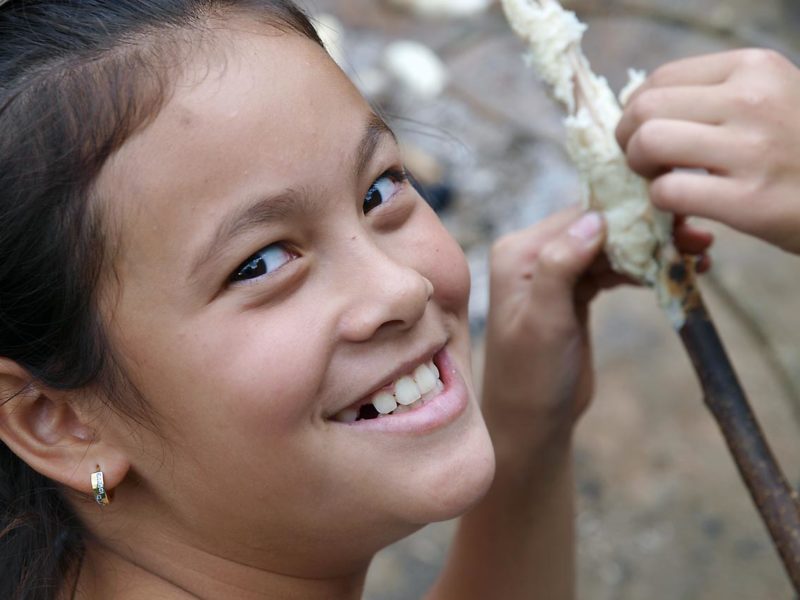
[639,234]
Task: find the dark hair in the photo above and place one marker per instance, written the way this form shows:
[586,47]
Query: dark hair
[77,78]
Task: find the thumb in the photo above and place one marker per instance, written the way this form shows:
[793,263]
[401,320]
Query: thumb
[563,260]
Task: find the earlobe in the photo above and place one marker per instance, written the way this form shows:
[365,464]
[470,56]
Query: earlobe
[45,430]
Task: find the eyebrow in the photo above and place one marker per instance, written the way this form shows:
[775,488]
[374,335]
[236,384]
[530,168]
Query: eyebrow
[280,206]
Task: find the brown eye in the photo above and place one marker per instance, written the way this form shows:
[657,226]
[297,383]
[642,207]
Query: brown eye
[265,261]
[384,188]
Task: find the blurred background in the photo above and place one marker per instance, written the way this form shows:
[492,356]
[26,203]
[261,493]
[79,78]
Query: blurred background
[662,512]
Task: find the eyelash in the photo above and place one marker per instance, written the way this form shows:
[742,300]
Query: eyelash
[257,262]
[398,176]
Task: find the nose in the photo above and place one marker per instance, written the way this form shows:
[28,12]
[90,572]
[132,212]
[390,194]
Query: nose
[384,295]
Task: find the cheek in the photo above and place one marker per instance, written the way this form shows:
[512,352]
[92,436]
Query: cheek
[269,369]
[446,266]
[234,377]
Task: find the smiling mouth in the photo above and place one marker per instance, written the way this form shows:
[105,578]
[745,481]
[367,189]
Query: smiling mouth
[405,394]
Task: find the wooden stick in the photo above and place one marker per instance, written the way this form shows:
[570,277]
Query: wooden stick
[776,501]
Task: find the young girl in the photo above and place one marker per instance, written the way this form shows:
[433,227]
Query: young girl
[234,354]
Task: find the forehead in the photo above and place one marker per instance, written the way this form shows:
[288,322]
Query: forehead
[281,90]
[257,114]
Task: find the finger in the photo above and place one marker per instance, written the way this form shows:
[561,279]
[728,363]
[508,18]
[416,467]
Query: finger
[526,244]
[679,221]
[703,264]
[662,145]
[564,259]
[589,287]
[522,248]
[690,240]
[709,69]
[694,104]
[600,265]
[696,194]
[553,224]
[682,222]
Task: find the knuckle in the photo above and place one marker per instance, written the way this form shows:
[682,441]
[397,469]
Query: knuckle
[760,96]
[751,98]
[761,58]
[510,248]
[554,256]
[758,145]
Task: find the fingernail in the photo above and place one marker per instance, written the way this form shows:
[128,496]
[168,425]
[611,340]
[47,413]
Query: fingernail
[588,227]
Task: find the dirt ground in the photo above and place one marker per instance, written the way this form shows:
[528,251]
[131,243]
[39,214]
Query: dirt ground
[662,512]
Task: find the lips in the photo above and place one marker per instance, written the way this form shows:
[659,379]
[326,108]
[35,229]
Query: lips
[403,385]
[407,392]
[444,403]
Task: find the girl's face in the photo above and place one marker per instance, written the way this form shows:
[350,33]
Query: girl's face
[274,273]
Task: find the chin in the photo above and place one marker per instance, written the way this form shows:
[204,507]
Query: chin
[457,483]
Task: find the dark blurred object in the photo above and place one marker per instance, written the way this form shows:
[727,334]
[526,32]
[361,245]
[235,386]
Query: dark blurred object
[791,10]
[429,177]
[439,195]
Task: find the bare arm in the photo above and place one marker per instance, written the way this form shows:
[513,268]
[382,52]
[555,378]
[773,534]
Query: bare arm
[518,542]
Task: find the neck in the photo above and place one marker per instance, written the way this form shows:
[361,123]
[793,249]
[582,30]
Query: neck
[178,573]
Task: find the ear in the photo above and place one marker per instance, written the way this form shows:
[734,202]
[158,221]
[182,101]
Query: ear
[54,436]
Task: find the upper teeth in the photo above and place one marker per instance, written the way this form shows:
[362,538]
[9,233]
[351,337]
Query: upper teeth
[404,392]
[384,402]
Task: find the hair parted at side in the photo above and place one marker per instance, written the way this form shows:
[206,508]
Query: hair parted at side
[77,79]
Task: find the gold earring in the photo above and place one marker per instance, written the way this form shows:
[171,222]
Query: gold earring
[100,495]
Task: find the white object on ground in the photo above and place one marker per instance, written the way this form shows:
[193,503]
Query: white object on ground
[443,8]
[373,83]
[417,68]
[639,235]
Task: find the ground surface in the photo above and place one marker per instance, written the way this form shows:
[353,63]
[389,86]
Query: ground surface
[662,512]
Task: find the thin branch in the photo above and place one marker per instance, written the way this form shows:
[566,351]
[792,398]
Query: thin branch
[776,501]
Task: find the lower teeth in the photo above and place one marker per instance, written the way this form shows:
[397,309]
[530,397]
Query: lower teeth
[403,409]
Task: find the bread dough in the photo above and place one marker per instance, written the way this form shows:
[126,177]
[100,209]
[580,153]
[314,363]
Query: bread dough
[639,235]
